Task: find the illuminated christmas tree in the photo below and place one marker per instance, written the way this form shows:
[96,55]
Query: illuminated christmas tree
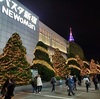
[13,62]
[93,67]
[59,63]
[84,66]
[42,62]
[73,66]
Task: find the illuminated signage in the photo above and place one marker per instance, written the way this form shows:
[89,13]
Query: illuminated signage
[16,12]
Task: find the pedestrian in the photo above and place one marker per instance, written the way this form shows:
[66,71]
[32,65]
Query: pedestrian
[10,89]
[87,83]
[66,80]
[79,80]
[39,84]
[34,84]
[53,82]
[95,81]
[4,87]
[70,85]
[75,81]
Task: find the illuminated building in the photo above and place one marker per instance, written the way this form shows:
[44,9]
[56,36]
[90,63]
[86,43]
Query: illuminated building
[15,17]
[52,39]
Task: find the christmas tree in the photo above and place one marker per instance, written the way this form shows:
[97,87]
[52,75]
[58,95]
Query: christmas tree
[13,61]
[73,66]
[93,67]
[59,63]
[84,66]
[42,62]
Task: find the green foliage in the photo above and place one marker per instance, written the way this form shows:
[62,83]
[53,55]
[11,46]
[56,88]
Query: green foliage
[73,62]
[40,43]
[71,55]
[75,71]
[86,66]
[42,56]
[75,49]
[45,73]
[58,77]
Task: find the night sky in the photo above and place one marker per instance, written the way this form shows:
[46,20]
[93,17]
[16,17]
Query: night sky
[83,16]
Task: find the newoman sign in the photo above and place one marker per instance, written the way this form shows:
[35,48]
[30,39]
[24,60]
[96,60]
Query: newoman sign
[16,12]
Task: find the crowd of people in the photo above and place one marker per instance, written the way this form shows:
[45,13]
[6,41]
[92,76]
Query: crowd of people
[71,82]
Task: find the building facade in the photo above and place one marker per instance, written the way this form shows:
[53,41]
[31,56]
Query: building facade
[52,40]
[15,17]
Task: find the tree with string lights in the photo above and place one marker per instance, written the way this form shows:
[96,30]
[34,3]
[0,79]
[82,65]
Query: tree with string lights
[42,62]
[13,61]
[59,64]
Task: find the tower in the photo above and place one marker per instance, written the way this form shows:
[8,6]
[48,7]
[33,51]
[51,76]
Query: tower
[71,36]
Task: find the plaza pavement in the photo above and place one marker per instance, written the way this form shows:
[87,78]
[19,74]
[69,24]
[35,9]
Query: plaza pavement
[60,93]
[25,92]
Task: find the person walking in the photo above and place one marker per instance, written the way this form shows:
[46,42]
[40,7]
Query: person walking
[75,81]
[66,80]
[95,81]
[10,89]
[70,85]
[34,84]
[39,84]
[53,82]
[87,83]
[4,87]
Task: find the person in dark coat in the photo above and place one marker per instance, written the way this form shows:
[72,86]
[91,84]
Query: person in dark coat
[53,82]
[3,90]
[66,80]
[75,81]
[10,89]
[34,84]
[95,81]
[70,85]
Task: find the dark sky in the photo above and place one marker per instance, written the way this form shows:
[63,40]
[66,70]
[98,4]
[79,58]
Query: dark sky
[82,15]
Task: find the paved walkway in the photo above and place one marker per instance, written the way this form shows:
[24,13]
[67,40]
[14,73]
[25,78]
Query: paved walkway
[60,93]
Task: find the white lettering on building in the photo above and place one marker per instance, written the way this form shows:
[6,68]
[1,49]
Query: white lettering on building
[19,14]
